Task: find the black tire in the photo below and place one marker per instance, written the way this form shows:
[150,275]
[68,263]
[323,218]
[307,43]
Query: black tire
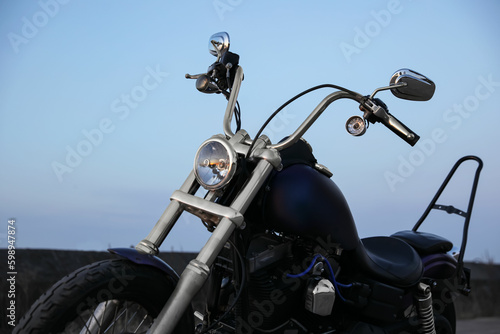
[445,320]
[70,305]
[444,312]
[443,325]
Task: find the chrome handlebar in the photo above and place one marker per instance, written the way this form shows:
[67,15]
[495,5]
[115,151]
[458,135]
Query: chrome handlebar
[231,104]
[381,114]
[293,138]
[300,130]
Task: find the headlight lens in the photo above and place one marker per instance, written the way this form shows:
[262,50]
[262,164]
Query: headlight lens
[215,163]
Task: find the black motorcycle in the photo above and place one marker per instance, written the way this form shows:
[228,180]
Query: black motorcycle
[284,255]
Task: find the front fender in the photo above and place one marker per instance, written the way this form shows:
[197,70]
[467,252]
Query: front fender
[145,259]
[131,254]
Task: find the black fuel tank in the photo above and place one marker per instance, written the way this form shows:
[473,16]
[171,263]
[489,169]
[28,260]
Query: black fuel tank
[301,200]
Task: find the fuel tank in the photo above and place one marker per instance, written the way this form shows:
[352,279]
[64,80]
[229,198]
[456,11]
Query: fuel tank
[301,200]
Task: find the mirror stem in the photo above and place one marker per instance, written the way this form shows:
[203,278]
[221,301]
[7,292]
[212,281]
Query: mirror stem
[400,84]
[219,55]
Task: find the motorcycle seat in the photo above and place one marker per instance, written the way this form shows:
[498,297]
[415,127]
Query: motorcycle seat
[424,243]
[390,260]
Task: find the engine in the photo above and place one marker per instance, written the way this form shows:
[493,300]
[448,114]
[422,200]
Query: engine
[283,293]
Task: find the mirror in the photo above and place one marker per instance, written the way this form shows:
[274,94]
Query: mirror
[218,44]
[418,87]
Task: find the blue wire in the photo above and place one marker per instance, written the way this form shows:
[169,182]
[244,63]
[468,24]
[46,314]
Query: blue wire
[335,281]
[330,269]
[307,270]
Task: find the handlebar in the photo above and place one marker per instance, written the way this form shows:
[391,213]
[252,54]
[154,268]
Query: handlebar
[231,103]
[314,116]
[379,112]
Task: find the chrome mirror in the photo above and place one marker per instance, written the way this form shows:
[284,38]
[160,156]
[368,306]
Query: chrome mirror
[218,44]
[412,85]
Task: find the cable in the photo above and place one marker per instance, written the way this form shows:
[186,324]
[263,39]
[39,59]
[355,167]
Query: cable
[237,116]
[332,275]
[313,262]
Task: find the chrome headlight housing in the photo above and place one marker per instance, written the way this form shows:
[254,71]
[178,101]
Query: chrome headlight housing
[215,163]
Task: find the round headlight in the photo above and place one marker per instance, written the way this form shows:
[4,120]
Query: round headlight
[215,163]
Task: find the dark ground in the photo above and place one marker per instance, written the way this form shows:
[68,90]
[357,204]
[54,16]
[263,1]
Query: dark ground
[37,270]
[479,326]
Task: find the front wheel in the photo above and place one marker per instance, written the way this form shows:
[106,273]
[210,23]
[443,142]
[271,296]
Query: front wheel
[111,296]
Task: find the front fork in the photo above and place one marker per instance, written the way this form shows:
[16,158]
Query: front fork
[197,271]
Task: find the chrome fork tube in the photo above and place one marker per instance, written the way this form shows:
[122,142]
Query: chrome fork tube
[197,271]
[152,242]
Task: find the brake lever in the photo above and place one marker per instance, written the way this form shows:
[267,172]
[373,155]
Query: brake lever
[196,76]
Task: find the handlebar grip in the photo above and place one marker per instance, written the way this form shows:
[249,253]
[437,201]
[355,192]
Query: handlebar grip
[377,112]
[400,129]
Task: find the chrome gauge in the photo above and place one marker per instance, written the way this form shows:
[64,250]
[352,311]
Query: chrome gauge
[356,126]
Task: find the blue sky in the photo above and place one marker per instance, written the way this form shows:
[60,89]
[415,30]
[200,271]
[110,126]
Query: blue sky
[98,125]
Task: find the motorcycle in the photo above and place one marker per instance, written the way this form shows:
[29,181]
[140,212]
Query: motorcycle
[284,255]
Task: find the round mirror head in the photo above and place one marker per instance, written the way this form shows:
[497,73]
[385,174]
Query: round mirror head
[218,44]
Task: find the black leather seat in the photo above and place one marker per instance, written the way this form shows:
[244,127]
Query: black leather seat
[389,260]
[425,243]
